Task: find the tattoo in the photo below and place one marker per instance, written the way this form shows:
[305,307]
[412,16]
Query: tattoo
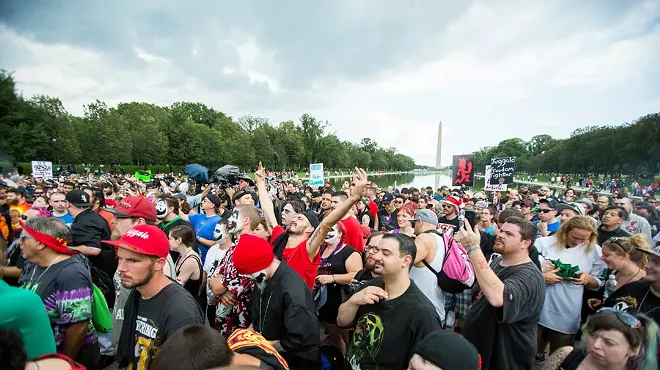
[483,264]
[555,359]
[314,235]
[472,248]
[270,224]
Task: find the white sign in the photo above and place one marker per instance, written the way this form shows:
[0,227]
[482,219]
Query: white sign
[492,187]
[316,174]
[42,169]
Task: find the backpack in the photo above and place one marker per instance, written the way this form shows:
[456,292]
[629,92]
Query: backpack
[457,272]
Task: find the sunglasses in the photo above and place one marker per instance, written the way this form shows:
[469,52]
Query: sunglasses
[617,241]
[24,236]
[624,317]
[545,210]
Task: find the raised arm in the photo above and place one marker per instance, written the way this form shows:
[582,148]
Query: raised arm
[357,188]
[264,198]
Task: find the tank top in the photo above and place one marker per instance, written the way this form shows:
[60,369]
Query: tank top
[191,285]
[426,280]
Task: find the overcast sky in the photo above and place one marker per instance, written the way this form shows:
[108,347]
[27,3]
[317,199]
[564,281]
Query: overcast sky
[389,70]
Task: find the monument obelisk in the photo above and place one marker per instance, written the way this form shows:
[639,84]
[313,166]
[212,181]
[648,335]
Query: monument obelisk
[438,155]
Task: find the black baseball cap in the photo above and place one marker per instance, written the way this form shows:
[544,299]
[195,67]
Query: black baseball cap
[78,198]
[551,202]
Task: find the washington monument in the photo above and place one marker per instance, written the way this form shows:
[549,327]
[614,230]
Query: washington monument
[438,152]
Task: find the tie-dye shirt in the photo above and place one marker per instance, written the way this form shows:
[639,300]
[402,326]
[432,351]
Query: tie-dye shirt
[66,291]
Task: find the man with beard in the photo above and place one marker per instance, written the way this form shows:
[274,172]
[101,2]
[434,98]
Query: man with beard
[302,240]
[158,306]
[130,212]
[234,290]
[283,309]
[507,298]
[326,204]
[367,273]
[109,190]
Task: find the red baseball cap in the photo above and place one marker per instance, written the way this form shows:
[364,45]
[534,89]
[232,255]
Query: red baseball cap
[144,239]
[139,207]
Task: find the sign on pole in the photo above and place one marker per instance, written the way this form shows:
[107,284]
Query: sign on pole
[42,169]
[490,186]
[463,168]
[316,174]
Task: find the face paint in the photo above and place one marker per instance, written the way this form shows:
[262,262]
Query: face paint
[332,236]
[233,224]
[220,233]
[260,279]
[161,209]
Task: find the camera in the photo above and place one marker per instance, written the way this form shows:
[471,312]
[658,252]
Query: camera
[348,290]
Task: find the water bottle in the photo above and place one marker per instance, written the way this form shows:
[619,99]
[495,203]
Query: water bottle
[610,285]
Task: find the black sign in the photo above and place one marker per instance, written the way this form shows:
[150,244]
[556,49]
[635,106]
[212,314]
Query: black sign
[463,168]
[502,170]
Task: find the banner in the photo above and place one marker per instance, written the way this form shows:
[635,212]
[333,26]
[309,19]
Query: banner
[489,185]
[502,170]
[463,168]
[316,174]
[42,169]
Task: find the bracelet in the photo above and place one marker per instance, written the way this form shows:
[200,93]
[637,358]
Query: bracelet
[333,278]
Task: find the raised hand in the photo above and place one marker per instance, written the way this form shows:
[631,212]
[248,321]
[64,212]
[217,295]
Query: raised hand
[359,183]
[260,174]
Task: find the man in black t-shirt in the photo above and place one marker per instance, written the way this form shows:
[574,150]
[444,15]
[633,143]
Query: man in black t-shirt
[507,298]
[158,306]
[387,214]
[390,314]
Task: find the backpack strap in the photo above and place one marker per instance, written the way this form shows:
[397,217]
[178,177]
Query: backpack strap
[573,360]
[441,235]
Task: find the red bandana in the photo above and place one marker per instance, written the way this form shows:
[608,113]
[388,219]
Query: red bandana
[57,244]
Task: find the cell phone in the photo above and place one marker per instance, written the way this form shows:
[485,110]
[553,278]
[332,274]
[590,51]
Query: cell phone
[471,217]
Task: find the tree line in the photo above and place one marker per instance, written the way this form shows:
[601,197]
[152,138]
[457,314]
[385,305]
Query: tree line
[40,128]
[629,148]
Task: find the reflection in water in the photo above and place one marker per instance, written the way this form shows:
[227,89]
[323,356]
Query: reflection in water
[405,180]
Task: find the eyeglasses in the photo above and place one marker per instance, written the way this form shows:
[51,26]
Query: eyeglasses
[370,249]
[24,236]
[624,317]
[545,210]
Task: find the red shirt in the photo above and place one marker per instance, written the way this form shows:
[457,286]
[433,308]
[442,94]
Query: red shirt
[353,236]
[373,209]
[298,259]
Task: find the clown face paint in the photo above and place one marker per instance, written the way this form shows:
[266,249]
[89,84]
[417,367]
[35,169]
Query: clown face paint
[233,224]
[220,233]
[260,279]
[333,236]
[161,209]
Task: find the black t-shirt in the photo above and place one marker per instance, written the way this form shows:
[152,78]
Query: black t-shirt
[506,336]
[364,275]
[638,297]
[448,225]
[159,317]
[387,333]
[387,221]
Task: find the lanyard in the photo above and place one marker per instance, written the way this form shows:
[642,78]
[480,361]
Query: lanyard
[164,226]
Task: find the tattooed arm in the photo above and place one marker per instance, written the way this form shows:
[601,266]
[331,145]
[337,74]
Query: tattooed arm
[264,198]
[357,188]
[554,361]
[491,286]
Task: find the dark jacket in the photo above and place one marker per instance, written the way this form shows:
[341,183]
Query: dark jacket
[285,311]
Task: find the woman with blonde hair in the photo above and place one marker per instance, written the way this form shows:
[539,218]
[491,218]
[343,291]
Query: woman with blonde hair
[571,261]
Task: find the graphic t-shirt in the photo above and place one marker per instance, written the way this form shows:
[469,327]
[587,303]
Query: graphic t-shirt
[203,227]
[446,225]
[386,220]
[251,343]
[387,333]
[66,291]
[506,336]
[636,297]
[241,286]
[15,212]
[159,317]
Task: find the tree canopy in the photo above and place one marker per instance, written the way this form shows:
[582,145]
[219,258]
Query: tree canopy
[629,148]
[138,133]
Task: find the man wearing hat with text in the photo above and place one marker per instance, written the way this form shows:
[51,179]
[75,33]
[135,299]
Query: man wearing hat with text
[283,310]
[158,306]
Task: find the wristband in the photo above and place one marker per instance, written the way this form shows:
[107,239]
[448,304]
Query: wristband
[333,278]
[472,248]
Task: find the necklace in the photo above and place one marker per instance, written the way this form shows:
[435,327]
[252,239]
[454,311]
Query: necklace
[514,262]
[632,277]
[46,270]
[262,319]
[642,302]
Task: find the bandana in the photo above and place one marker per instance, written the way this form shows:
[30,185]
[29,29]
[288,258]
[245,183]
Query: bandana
[59,245]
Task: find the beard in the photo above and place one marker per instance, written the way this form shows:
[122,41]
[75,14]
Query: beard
[498,247]
[136,284]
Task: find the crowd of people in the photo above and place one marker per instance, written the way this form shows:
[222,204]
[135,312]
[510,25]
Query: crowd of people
[103,271]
